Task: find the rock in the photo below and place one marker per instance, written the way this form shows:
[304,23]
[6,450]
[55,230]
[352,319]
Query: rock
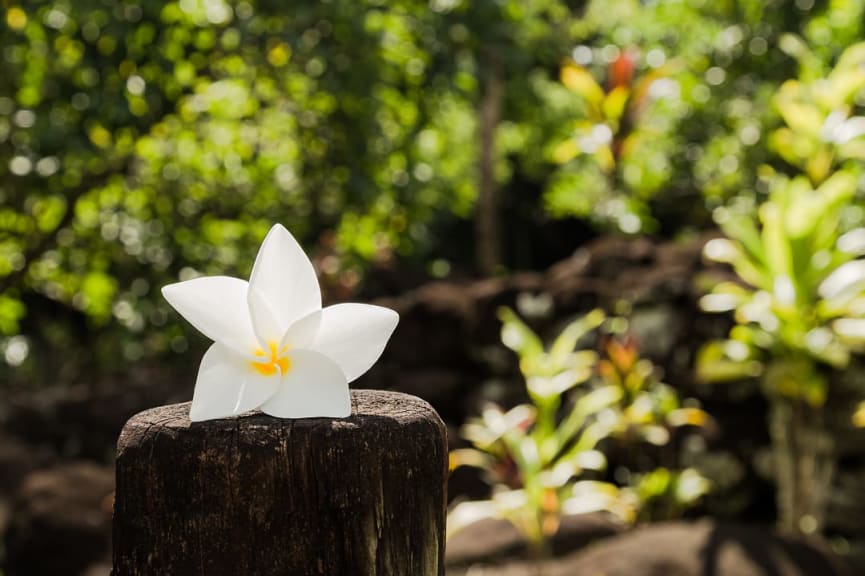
[83,421]
[654,279]
[61,521]
[494,541]
[17,460]
[704,548]
[436,350]
[99,569]
[701,548]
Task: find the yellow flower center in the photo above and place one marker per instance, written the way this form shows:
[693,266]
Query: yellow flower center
[271,361]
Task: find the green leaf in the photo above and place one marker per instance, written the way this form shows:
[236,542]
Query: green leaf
[594,496]
[851,331]
[775,240]
[799,114]
[566,341]
[689,486]
[519,337]
[688,417]
[743,228]
[837,190]
[580,81]
[469,457]
[586,406]
[714,365]
[793,147]
[98,290]
[615,103]
[796,377]
[843,85]
[12,310]
[852,58]
[654,484]
[725,297]
[844,284]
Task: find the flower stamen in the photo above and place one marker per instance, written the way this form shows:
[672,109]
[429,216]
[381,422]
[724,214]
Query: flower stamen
[276,359]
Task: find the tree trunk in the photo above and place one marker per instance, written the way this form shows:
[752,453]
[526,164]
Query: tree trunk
[804,464]
[257,495]
[488,241]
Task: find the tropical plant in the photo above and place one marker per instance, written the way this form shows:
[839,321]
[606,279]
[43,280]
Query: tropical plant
[647,409]
[665,494]
[799,303]
[530,456]
[823,131]
[799,311]
[648,412]
[544,459]
[608,172]
[711,135]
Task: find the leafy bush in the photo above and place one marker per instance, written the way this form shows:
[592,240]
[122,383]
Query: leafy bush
[799,302]
[616,156]
[804,288]
[542,458]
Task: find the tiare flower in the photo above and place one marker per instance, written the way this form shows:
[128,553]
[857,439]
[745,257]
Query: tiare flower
[275,348]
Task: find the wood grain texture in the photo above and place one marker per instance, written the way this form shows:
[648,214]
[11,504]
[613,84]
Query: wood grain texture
[258,496]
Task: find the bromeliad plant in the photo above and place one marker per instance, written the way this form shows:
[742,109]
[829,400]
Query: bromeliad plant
[537,456]
[799,311]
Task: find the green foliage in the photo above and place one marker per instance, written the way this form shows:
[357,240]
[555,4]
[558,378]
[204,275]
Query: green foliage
[803,292]
[539,457]
[153,141]
[711,71]
[150,141]
[529,456]
[821,132]
[616,155]
[667,494]
[800,303]
[799,255]
[11,311]
[647,409]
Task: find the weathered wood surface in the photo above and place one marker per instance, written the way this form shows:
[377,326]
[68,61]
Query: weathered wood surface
[259,496]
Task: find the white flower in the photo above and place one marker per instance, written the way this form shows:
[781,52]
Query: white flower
[274,347]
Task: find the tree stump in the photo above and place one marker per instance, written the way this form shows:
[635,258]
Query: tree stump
[256,496]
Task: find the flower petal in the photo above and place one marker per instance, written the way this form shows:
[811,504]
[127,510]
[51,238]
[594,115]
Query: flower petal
[283,285]
[313,387]
[303,332]
[257,389]
[354,335]
[227,386]
[216,306]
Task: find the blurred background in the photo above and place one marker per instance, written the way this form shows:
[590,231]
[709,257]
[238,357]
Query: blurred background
[689,170]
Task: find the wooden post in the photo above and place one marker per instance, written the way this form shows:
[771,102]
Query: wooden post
[259,496]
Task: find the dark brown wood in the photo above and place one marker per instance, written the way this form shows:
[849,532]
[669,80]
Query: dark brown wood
[259,496]
[488,226]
